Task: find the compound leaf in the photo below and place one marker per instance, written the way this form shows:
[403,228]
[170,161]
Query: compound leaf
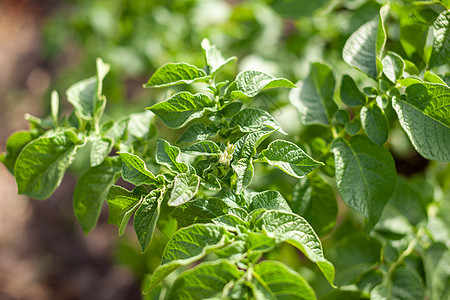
[91,191]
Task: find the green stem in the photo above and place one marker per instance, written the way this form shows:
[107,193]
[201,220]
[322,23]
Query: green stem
[405,253]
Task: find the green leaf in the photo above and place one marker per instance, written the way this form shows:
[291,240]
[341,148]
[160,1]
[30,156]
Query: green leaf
[352,255]
[200,211]
[42,163]
[211,182]
[251,119]
[353,127]
[83,96]
[86,94]
[181,108]
[244,173]
[15,144]
[192,241]
[341,116]
[176,73]
[410,68]
[214,59]
[288,157]
[54,106]
[146,217]
[440,55]
[405,284]
[437,271]
[314,98]
[251,83]
[186,246]
[269,200]
[425,116]
[375,123]
[242,164]
[274,280]
[229,221]
[203,148]
[315,201]
[350,93]
[205,281]
[101,147]
[393,66]
[365,46]
[413,31]
[230,109]
[139,124]
[91,191]
[406,192]
[296,9]
[168,155]
[102,70]
[136,172]
[433,78]
[246,146]
[365,176]
[198,132]
[185,187]
[259,242]
[293,229]
[122,204]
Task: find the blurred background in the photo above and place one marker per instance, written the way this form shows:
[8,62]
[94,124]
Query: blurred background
[47,45]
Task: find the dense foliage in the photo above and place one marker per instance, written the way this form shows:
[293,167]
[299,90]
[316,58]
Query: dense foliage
[241,201]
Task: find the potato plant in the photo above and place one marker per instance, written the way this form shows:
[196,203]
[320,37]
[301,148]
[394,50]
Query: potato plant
[225,235]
